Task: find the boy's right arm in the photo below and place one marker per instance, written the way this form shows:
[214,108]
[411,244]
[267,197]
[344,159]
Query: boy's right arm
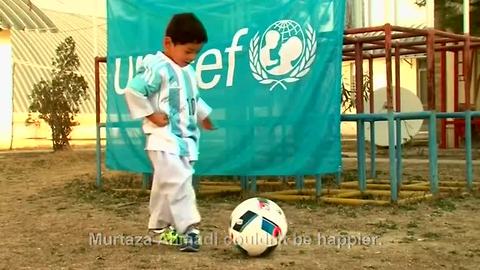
[146,82]
[159,118]
[139,107]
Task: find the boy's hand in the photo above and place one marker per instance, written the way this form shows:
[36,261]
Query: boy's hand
[207,124]
[159,118]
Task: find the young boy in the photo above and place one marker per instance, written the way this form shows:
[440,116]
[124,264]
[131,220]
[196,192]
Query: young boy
[164,92]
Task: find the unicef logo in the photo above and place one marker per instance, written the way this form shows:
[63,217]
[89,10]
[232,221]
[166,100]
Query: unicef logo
[283,54]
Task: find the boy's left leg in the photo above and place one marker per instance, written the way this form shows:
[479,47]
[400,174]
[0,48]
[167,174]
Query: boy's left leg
[166,178]
[182,200]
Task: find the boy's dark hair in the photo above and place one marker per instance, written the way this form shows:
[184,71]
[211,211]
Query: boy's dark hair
[186,28]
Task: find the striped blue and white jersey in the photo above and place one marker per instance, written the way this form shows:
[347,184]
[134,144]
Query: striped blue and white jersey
[161,85]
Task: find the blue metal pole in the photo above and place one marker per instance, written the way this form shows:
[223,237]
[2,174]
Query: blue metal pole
[364,116]
[362,181]
[299,182]
[98,154]
[196,182]
[244,182]
[468,148]
[146,181]
[399,152]
[433,152]
[391,155]
[318,185]
[338,178]
[373,151]
[253,184]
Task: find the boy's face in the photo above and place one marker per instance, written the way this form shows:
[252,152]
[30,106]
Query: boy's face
[181,54]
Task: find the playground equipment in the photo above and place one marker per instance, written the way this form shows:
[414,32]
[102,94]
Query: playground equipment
[393,42]
[387,42]
[409,103]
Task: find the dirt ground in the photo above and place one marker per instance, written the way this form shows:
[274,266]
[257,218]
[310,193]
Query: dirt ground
[50,211]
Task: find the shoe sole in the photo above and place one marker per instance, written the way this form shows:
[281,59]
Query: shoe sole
[189,249]
[165,243]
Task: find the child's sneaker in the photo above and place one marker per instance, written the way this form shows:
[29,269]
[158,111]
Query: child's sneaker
[191,241]
[166,236]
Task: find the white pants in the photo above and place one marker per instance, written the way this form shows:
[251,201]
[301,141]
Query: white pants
[172,197]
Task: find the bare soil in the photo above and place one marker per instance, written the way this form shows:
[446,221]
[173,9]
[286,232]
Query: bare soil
[50,208]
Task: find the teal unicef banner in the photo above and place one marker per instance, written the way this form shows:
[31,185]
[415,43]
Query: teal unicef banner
[271,71]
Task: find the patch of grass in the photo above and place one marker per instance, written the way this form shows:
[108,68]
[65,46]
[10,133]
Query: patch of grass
[330,211]
[408,207]
[408,239]
[416,178]
[122,203]
[437,213]
[350,212]
[382,227]
[394,211]
[431,235]
[309,205]
[366,196]
[387,224]
[477,251]
[445,205]
[350,175]
[412,224]
[41,163]
[367,207]
[124,181]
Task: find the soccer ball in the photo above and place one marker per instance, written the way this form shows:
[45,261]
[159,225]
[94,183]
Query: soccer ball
[257,226]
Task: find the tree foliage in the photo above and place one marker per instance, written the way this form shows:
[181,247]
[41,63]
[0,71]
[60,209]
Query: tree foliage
[449,15]
[58,100]
[348,99]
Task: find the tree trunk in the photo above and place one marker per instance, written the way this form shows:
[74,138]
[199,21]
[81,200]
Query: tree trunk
[54,137]
[476,82]
[440,11]
[59,138]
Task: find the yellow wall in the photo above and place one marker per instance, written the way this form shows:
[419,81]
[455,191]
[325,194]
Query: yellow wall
[408,80]
[34,135]
[5,89]
[395,12]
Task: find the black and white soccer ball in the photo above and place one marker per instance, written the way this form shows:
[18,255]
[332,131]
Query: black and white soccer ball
[257,226]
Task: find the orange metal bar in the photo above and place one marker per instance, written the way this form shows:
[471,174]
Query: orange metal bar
[388,61]
[98,60]
[431,70]
[443,98]
[359,77]
[397,79]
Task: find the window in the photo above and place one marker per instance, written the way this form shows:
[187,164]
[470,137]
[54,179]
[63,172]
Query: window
[354,14]
[422,81]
